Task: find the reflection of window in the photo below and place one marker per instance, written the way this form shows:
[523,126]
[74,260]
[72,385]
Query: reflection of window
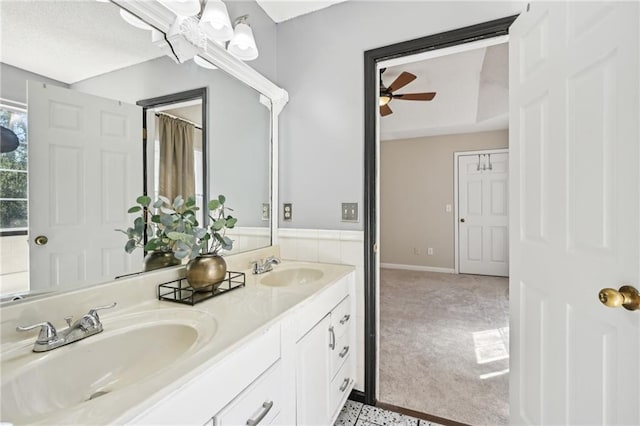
[13,173]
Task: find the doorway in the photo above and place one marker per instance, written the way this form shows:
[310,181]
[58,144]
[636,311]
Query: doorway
[167,171]
[373,59]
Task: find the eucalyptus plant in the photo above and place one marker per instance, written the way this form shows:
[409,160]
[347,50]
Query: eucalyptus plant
[210,240]
[172,227]
[162,219]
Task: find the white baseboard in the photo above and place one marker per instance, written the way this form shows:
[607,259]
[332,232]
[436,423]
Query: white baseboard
[417,268]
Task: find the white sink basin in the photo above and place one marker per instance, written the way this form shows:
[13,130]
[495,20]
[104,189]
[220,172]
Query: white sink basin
[294,276]
[131,348]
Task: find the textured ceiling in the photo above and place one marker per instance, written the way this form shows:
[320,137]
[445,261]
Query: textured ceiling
[70,41]
[279,10]
[472,95]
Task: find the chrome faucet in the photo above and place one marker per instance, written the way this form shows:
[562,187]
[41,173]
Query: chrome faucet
[49,338]
[260,267]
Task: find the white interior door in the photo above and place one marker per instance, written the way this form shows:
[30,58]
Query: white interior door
[483,214]
[574,213]
[85,170]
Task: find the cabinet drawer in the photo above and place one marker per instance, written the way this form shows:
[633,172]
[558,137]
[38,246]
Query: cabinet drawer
[340,353]
[341,386]
[260,403]
[341,317]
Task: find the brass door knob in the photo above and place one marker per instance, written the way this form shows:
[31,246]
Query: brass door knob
[41,240]
[627,297]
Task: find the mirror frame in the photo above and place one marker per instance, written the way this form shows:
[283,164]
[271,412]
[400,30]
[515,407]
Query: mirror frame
[158,16]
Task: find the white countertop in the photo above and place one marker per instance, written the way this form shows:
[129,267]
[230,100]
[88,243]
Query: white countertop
[237,317]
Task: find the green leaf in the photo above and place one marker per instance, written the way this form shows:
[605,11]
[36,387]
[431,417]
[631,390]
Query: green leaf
[130,246]
[138,226]
[134,209]
[218,224]
[167,210]
[157,204]
[178,202]
[227,244]
[214,205]
[143,200]
[164,199]
[166,220]
[181,237]
[231,222]
[191,202]
[155,218]
[181,254]
[222,198]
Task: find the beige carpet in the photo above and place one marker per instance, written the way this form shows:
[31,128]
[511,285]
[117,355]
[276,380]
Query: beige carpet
[444,344]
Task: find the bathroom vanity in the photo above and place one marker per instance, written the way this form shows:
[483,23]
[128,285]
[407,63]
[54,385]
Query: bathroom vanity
[278,351]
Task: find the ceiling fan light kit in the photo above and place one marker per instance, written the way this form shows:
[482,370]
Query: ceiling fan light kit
[387,93]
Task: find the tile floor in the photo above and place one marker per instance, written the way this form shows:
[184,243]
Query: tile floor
[358,414]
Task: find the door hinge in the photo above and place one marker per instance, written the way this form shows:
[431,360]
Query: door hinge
[144,133]
[375,248]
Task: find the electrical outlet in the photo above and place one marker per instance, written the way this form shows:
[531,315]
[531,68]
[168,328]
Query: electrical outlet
[349,212]
[416,251]
[430,251]
[287,211]
[447,208]
[266,210]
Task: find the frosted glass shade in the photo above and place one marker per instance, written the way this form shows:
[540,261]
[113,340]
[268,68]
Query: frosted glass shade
[243,45]
[215,21]
[204,63]
[135,21]
[182,7]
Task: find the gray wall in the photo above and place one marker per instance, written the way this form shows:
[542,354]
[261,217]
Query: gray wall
[320,64]
[13,82]
[239,126]
[416,183]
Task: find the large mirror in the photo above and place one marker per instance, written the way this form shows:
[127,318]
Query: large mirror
[79,56]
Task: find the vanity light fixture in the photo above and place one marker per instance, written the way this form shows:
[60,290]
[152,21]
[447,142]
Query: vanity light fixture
[243,45]
[135,21]
[182,7]
[215,21]
[200,61]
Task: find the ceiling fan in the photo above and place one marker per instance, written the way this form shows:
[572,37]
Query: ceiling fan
[386,93]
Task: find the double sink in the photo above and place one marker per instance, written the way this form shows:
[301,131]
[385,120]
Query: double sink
[132,349]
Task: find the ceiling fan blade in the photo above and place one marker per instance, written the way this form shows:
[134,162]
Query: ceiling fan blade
[427,96]
[385,110]
[402,80]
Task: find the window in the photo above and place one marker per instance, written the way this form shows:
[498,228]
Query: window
[13,173]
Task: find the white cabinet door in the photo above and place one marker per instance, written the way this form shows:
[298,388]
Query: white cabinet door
[575,213]
[313,375]
[85,171]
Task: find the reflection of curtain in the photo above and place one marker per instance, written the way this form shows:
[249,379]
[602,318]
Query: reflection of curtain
[176,158]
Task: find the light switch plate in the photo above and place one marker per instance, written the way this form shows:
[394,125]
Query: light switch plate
[349,212]
[266,210]
[287,212]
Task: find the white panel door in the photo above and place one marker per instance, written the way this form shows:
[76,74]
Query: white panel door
[574,129]
[483,214]
[85,170]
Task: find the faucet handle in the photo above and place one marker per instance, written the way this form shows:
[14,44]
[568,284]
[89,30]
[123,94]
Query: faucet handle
[47,331]
[94,312]
[256,265]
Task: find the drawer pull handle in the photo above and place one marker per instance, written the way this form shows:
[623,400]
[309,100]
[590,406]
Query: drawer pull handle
[266,407]
[345,319]
[332,335]
[344,352]
[344,385]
